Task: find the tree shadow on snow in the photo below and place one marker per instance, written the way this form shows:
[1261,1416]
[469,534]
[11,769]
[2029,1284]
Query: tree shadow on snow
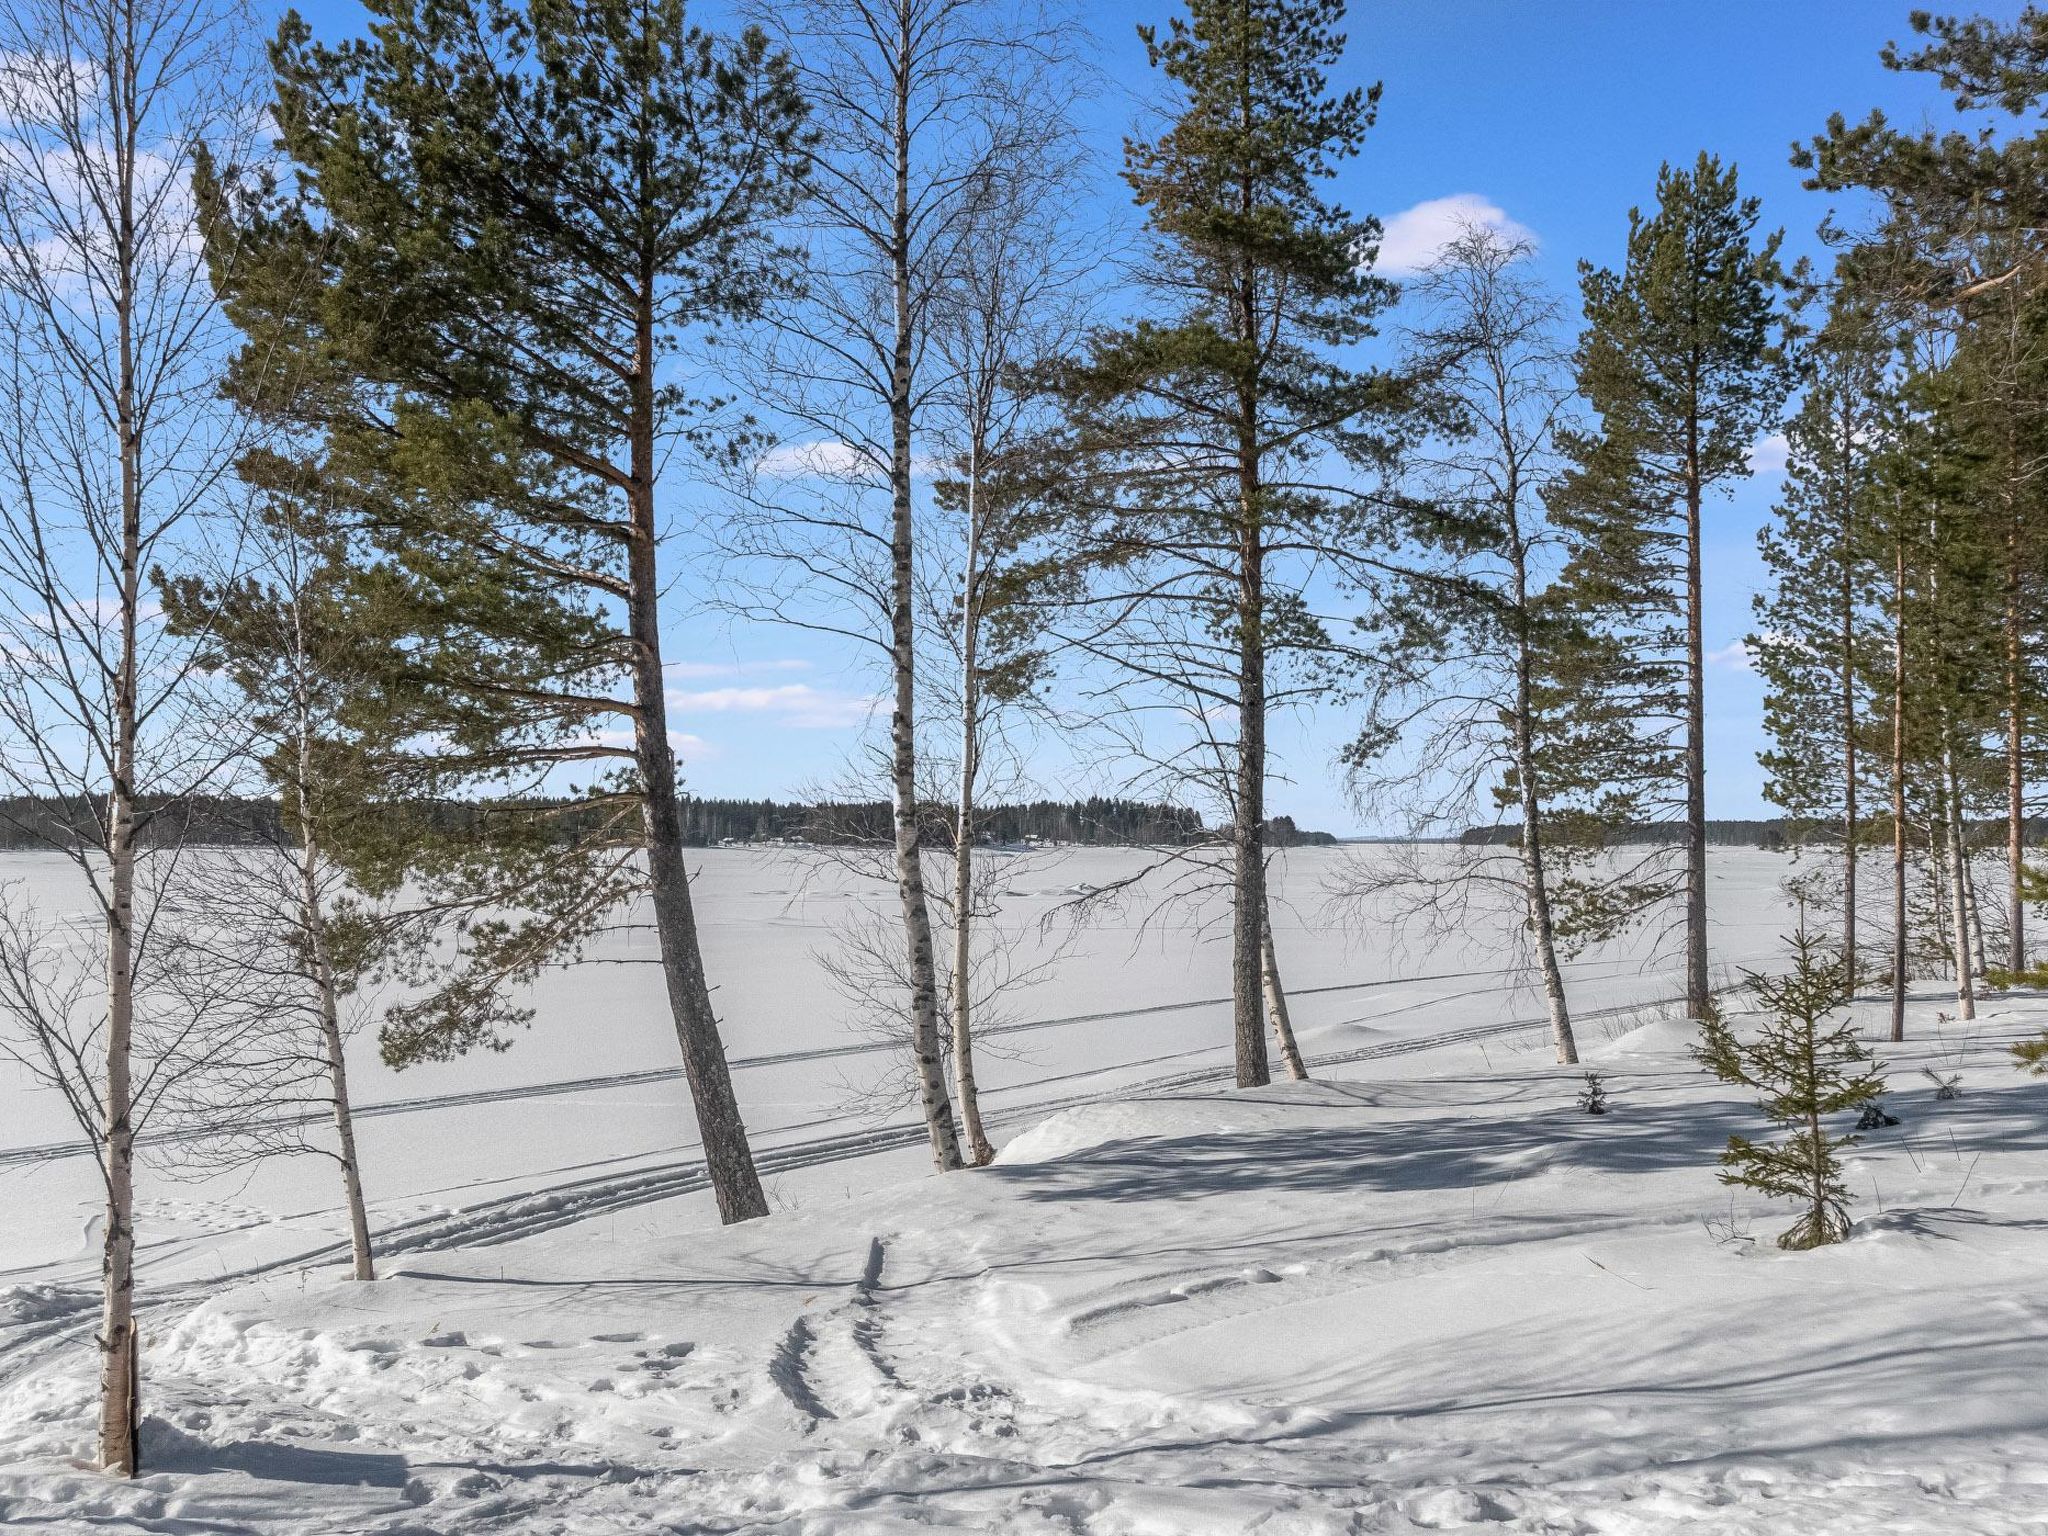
[167,1448]
[1423,1152]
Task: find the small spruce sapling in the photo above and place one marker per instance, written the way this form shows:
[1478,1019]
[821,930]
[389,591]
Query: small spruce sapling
[1807,1065]
[1593,1097]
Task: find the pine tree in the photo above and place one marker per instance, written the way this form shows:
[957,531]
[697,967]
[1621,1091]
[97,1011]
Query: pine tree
[1202,435]
[466,308]
[1807,1065]
[1812,647]
[1682,362]
[1958,241]
[282,632]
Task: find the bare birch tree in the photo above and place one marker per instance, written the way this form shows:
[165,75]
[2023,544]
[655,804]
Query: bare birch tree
[114,443]
[1518,708]
[1011,298]
[920,107]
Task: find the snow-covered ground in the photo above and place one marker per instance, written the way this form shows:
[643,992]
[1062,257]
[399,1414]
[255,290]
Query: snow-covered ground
[1419,1293]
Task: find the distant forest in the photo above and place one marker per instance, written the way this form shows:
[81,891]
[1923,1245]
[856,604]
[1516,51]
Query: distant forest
[36,822]
[1771,833]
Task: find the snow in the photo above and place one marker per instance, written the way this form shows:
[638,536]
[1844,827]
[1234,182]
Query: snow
[1418,1293]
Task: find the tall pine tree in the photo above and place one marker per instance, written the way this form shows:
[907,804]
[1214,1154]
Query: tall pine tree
[1682,362]
[1813,644]
[504,223]
[1203,432]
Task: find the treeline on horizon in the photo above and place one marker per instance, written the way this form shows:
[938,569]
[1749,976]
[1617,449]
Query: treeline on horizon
[1775,833]
[31,822]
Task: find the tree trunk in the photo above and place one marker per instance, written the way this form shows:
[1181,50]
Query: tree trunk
[917,918]
[978,1148]
[1979,963]
[315,923]
[2015,754]
[1898,770]
[1276,1003]
[120,1392]
[1850,828]
[1959,892]
[1535,876]
[120,1350]
[1698,993]
[728,1159]
[1247,833]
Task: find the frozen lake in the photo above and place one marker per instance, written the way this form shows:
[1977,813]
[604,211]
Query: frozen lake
[592,1095]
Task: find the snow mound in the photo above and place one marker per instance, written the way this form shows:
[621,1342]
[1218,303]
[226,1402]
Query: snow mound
[1659,1037]
[1075,1130]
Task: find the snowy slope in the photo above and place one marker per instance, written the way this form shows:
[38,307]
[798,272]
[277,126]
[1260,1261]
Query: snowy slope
[1418,1294]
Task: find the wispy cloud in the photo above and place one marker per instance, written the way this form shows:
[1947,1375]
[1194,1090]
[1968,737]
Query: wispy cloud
[1769,455]
[696,671]
[1735,656]
[822,460]
[795,704]
[825,459]
[1411,239]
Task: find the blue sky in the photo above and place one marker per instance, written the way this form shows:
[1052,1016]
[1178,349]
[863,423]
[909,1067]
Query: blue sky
[1555,114]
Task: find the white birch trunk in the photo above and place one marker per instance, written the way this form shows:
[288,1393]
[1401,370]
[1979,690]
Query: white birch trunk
[1276,1003]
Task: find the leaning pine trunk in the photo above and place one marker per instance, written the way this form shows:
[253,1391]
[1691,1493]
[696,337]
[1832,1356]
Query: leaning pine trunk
[917,917]
[1247,833]
[315,923]
[1979,961]
[728,1160]
[1959,904]
[1276,1004]
[1958,916]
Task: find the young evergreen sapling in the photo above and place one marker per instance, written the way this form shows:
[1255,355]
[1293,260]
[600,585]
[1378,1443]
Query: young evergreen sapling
[1806,1064]
[1593,1097]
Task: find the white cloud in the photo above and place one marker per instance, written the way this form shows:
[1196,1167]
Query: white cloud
[1412,238]
[823,460]
[798,704]
[698,670]
[1769,455]
[1735,656]
[687,746]
[826,459]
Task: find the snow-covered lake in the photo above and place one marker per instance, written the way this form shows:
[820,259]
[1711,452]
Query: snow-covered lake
[594,1089]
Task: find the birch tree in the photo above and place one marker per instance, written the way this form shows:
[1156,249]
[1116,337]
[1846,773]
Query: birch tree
[1508,701]
[1010,299]
[926,112]
[113,446]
